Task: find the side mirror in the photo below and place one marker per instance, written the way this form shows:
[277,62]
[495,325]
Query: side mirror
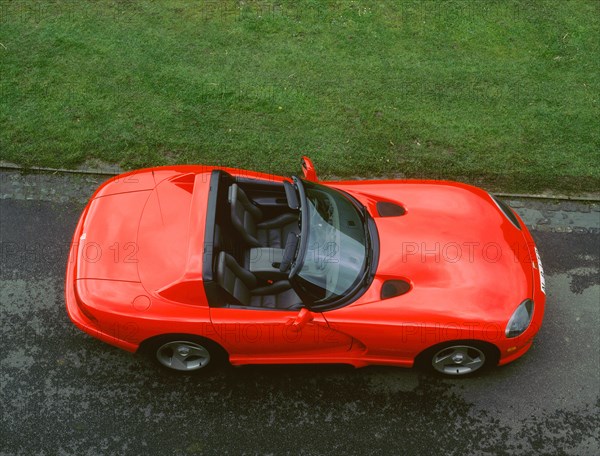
[310,174]
[304,316]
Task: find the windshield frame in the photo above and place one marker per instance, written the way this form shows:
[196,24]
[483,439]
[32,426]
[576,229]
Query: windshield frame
[301,250]
[367,274]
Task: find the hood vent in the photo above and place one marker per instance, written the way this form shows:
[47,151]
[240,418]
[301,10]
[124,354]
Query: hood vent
[393,288]
[386,209]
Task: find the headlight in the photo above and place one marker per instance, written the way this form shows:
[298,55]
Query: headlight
[510,215]
[520,319]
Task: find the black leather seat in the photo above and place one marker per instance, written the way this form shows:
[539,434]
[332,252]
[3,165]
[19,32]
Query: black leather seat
[243,287]
[256,232]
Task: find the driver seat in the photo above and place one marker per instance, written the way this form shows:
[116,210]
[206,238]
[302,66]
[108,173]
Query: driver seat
[243,287]
[248,221]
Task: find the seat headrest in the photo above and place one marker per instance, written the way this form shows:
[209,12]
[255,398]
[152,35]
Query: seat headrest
[227,263]
[238,196]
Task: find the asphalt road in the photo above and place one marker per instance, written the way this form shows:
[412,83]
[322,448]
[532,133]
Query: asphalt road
[63,392]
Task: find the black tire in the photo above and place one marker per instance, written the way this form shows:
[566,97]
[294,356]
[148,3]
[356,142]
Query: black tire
[184,353]
[461,358]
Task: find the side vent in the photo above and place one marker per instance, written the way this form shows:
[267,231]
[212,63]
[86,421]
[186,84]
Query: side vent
[185,181]
[393,288]
[385,209]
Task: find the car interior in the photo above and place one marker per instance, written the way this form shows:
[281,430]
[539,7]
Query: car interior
[253,224]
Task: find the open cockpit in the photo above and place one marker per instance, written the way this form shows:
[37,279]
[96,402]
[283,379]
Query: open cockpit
[249,225]
[276,244]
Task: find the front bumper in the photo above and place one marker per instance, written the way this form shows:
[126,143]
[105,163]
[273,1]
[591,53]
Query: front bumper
[514,348]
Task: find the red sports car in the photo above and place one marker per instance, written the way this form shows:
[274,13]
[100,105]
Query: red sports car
[197,265]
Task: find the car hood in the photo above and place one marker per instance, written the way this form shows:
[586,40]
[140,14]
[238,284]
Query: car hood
[455,247]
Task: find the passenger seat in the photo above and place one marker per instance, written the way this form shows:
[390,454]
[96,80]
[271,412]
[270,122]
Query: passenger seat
[256,232]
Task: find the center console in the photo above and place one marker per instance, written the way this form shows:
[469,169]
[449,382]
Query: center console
[264,263]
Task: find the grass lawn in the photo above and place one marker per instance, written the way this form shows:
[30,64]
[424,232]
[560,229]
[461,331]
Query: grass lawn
[504,94]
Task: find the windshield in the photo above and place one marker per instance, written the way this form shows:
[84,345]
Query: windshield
[334,256]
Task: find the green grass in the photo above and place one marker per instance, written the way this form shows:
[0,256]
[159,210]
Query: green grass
[501,94]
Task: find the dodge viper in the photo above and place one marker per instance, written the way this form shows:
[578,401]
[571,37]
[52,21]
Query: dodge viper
[197,265]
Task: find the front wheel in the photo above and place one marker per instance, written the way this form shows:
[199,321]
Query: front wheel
[186,354]
[457,359]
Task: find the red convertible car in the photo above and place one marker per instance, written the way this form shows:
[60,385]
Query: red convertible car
[197,265]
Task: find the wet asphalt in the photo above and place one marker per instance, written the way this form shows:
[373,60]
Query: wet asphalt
[63,392]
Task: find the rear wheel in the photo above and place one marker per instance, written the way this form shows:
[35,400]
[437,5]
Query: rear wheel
[185,353]
[458,359]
